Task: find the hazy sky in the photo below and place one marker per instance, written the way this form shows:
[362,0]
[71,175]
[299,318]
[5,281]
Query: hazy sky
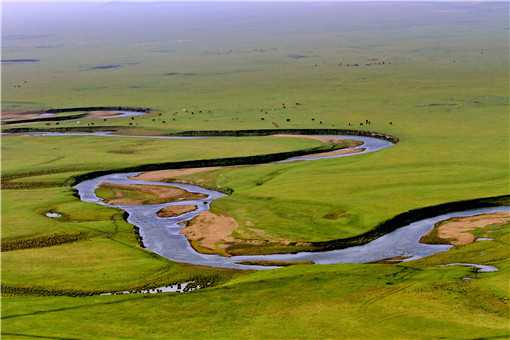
[78,1]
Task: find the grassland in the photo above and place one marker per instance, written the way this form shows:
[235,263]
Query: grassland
[444,88]
[419,300]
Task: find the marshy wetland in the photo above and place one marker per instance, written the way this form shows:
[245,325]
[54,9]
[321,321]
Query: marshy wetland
[175,151]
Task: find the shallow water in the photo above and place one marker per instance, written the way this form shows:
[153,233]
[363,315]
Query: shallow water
[124,114]
[52,214]
[484,239]
[370,144]
[177,288]
[480,268]
[115,114]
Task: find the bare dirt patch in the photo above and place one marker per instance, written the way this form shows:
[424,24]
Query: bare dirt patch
[103,114]
[134,194]
[351,146]
[161,175]
[19,115]
[176,210]
[211,233]
[458,231]
[208,231]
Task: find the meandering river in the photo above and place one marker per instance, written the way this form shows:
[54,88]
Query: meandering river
[163,235]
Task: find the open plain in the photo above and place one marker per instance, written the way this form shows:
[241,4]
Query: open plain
[210,93]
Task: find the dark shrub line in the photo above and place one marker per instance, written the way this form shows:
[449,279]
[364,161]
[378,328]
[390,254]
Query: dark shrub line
[9,180]
[411,216]
[45,119]
[98,108]
[217,133]
[268,132]
[14,61]
[30,185]
[136,230]
[10,290]
[42,241]
[245,160]
[104,128]
[42,172]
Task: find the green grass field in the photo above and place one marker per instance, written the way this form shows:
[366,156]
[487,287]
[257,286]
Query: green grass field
[419,300]
[444,88]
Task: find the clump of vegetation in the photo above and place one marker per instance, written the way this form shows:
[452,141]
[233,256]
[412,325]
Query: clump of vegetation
[39,291]
[139,237]
[42,241]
